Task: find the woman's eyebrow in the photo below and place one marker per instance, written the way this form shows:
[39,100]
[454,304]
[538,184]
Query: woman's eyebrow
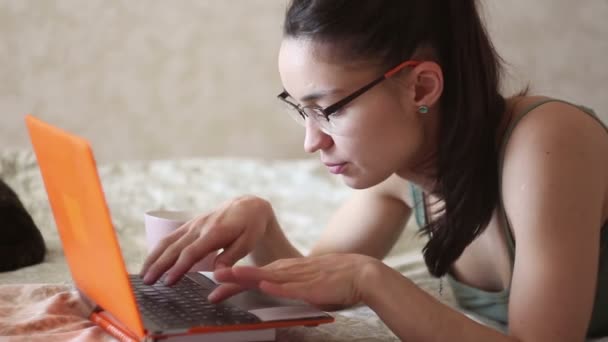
[319,95]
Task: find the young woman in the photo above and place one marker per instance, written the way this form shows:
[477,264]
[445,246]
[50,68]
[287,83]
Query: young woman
[401,98]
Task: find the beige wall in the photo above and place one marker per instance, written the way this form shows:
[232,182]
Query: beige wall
[164,79]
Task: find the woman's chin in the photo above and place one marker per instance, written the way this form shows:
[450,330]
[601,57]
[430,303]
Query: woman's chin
[357,183]
[358,179]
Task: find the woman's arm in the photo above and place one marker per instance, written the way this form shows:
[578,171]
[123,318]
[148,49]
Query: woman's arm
[370,222]
[554,190]
[414,315]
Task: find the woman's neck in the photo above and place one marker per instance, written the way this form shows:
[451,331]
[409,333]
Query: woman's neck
[422,170]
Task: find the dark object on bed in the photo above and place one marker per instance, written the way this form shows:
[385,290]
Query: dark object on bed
[21,243]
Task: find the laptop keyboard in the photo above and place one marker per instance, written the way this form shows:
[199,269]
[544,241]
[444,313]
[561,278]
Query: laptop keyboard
[185,305]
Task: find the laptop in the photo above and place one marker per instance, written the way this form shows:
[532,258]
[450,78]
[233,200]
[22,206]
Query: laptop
[124,306]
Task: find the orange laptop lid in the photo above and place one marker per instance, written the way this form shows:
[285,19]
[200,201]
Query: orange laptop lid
[89,242]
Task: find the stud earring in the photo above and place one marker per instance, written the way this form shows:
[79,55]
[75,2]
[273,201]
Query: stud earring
[423,109]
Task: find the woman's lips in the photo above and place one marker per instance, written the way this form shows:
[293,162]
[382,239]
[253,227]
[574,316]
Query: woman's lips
[336,168]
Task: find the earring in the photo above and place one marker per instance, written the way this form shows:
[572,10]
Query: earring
[423,109]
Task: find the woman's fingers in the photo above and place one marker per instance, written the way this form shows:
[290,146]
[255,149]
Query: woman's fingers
[294,290]
[236,250]
[247,275]
[286,290]
[321,281]
[235,227]
[217,237]
[197,249]
[227,275]
[186,259]
[167,259]
[250,277]
[281,271]
[160,248]
[182,254]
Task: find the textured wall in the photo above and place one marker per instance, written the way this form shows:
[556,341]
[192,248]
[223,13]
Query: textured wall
[162,79]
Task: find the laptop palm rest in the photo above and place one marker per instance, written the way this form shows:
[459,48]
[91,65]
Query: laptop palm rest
[266,308]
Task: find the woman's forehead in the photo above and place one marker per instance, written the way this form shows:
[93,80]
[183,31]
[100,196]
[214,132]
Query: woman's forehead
[303,54]
[301,51]
[306,66]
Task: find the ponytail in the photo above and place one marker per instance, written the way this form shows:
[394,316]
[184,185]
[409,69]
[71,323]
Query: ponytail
[468,153]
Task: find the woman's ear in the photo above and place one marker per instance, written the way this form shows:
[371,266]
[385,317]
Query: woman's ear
[427,84]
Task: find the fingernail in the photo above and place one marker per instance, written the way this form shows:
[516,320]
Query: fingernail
[147,278]
[168,280]
[212,297]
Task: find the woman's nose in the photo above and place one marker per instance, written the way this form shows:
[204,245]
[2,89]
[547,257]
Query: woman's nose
[315,139]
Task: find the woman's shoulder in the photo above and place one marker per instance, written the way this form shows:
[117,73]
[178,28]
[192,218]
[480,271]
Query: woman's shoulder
[550,138]
[540,120]
[518,107]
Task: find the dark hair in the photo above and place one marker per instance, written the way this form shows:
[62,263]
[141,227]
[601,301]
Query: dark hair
[390,31]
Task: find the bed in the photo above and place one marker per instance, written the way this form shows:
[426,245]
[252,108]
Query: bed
[39,303]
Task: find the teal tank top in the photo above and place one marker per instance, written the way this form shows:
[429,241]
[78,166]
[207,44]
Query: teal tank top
[493,306]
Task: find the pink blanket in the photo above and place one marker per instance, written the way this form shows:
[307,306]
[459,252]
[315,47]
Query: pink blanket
[40,312]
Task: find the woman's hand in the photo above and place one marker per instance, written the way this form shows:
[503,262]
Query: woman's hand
[332,280]
[236,226]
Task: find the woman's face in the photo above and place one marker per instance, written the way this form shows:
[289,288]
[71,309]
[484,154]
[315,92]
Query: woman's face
[384,132]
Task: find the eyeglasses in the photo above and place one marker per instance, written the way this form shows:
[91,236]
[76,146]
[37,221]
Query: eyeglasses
[327,118]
